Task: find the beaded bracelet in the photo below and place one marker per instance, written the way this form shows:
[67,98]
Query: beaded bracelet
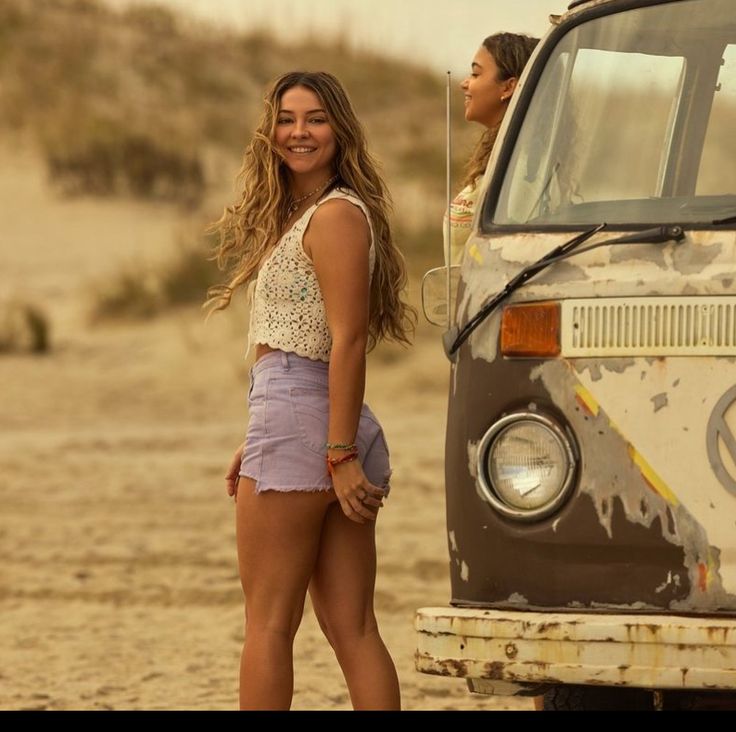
[341,446]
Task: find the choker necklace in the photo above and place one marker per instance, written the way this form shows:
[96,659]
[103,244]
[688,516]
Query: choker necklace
[294,205]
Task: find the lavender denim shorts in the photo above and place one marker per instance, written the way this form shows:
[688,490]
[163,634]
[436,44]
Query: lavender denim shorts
[288,407]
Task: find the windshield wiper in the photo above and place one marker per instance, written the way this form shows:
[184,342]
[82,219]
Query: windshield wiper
[453,339]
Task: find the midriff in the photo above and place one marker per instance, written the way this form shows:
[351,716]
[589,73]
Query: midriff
[262,349]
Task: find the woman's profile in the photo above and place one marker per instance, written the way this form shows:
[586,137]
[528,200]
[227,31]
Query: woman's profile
[487,90]
[310,234]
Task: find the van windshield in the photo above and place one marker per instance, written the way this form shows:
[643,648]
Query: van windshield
[632,122]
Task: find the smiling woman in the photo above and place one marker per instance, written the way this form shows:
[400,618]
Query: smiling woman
[305,139]
[487,90]
[311,235]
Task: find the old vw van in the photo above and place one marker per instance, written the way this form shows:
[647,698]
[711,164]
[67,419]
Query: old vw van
[591,435]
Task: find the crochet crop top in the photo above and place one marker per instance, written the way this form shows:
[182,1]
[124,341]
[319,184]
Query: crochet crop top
[287,310]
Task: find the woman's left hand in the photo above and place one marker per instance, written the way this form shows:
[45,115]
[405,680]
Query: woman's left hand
[359,498]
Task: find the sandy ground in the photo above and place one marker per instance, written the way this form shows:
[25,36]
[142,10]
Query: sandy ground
[118,580]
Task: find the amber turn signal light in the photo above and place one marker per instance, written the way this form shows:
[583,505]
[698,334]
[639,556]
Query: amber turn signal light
[531,329]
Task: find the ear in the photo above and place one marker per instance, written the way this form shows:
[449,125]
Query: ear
[509,86]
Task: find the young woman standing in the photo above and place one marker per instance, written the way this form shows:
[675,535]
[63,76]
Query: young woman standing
[311,232]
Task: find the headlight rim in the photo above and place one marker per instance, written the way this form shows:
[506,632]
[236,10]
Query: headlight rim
[483,476]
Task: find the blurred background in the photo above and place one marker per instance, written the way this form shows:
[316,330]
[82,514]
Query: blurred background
[122,126]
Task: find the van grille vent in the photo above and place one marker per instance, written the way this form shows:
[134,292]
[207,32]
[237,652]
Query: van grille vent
[649,326]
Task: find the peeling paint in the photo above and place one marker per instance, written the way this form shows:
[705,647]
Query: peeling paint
[464,571]
[639,254]
[516,599]
[643,495]
[453,542]
[665,584]
[692,260]
[596,366]
[659,401]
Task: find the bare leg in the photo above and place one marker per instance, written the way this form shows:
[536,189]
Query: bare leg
[342,594]
[278,538]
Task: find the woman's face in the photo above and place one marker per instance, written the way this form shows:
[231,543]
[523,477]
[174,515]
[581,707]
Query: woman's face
[304,135]
[486,98]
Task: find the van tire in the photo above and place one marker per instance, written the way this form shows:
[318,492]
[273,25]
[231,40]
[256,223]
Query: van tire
[569,698]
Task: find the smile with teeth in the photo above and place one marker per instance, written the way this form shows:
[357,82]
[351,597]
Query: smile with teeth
[302,150]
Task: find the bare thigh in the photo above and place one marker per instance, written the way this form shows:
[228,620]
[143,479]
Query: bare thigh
[278,538]
[344,577]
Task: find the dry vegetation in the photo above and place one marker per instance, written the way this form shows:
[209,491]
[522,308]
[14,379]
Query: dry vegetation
[131,102]
[146,105]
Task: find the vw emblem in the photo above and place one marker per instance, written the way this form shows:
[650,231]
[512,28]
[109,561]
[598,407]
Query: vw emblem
[721,440]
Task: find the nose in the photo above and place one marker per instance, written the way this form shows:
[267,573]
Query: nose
[464,83]
[299,129]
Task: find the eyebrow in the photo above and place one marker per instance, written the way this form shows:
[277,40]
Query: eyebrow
[474,64]
[311,111]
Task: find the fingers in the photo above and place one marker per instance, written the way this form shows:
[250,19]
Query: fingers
[232,476]
[357,510]
[370,501]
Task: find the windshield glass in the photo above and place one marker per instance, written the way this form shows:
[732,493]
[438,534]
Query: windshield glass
[631,122]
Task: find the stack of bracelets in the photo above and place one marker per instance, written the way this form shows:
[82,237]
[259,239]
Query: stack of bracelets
[351,451]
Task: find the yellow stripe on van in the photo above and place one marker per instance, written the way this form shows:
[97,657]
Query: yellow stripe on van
[586,399]
[650,476]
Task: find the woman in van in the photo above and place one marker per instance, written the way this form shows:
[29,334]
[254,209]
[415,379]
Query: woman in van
[494,74]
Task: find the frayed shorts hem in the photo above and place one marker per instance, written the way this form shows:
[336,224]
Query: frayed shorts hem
[260,488]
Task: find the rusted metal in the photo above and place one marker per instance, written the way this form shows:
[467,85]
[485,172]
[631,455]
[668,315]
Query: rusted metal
[596,590]
[662,652]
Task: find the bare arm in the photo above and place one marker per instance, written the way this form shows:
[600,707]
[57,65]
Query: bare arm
[338,240]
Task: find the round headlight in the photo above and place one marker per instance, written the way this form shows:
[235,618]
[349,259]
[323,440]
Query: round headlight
[526,466]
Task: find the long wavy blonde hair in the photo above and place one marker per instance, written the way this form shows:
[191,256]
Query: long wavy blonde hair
[510,51]
[256,221]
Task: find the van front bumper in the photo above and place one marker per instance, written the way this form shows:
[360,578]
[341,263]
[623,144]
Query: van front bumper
[503,651]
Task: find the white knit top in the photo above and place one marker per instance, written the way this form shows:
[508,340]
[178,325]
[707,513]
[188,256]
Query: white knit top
[287,308]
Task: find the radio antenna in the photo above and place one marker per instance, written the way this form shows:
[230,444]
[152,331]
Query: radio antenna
[448,224]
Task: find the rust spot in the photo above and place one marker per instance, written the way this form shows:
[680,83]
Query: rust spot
[623,667]
[511,650]
[494,670]
[684,674]
[544,627]
[453,667]
[702,577]
[429,664]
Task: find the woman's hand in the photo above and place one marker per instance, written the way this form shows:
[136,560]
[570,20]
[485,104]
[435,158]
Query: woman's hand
[359,498]
[231,477]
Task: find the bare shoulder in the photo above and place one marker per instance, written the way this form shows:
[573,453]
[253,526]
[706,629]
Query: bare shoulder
[339,213]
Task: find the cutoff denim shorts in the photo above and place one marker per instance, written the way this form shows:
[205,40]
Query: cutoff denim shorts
[288,405]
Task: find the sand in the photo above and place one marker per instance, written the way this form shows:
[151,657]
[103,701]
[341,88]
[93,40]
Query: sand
[118,582]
